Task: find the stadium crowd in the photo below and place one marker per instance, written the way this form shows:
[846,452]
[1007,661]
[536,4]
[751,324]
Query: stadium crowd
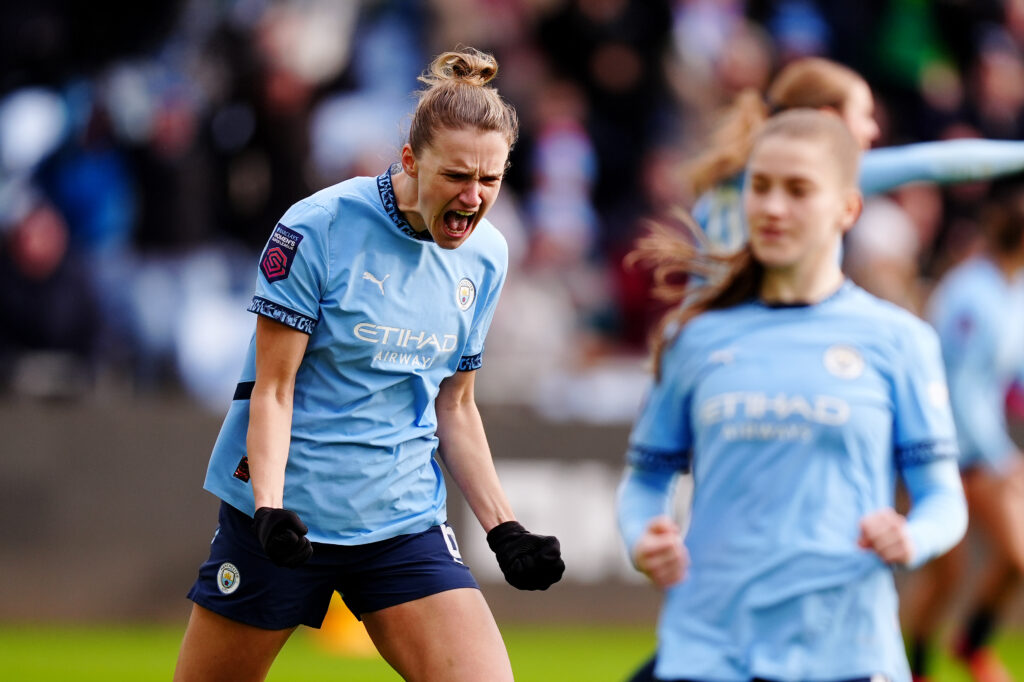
[146,152]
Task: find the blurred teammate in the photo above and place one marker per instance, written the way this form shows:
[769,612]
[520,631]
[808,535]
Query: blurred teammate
[374,297]
[978,310]
[717,174]
[795,399]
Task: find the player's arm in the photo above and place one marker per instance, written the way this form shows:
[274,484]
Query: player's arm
[279,351]
[936,522]
[977,396]
[653,540]
[944,162]
[528,561]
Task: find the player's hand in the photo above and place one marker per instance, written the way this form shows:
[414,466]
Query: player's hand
[283,536]
[528,561]
[659,553]
[885,533]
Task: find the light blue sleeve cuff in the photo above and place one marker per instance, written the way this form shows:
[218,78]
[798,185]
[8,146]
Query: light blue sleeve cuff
[938,514]
[642,496]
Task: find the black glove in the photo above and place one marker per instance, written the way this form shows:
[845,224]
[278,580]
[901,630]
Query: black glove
[283,536]
[529,562]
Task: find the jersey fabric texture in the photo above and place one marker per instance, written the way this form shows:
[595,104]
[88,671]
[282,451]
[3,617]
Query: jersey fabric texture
[719,211]
[795,422]
[979,316]
[390,315]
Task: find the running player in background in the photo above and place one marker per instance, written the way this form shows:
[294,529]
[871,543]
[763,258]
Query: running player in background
[374,297]
[978,310]
[717,174]
[795,399]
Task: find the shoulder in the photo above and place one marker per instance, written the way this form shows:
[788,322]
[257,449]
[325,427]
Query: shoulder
[968,296]
[332,200]
[889,324]
[714,328]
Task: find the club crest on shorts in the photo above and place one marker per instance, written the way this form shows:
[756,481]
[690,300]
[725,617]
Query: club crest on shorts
[465,293]
[844,361]
[279,255]
[228,578]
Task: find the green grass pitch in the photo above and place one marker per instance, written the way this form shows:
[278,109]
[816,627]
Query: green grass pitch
[539,654]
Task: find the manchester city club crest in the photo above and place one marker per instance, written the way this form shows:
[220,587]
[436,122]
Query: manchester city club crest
[465,293]
[228,578]
[844,361]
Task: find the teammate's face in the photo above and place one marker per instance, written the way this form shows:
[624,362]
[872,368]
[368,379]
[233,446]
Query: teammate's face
[796,203]
[457,179]
[859,115]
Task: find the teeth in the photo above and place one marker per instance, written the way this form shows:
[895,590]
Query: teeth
[466,214]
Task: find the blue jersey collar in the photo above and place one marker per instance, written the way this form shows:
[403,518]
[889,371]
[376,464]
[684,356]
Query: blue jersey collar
[390,202]
[844,287]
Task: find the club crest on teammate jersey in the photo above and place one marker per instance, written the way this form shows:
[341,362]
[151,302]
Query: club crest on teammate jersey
[843,361]
[279,255]
[465,293]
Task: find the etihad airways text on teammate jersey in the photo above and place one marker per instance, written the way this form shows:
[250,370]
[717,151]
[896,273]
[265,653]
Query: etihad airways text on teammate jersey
[390,315]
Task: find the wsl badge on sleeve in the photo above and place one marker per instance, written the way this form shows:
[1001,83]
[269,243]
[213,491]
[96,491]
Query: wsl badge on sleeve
[465,293]
[280,253]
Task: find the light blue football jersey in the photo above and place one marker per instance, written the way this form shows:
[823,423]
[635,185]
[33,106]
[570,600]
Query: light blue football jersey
[795,422]
[979,316]
[389,315]
[719,211]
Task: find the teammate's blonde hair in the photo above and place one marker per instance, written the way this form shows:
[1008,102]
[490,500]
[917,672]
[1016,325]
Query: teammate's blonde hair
[457,96]
[675,258]
[810,82]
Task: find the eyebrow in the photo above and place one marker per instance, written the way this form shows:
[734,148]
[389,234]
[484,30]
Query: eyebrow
[453,170]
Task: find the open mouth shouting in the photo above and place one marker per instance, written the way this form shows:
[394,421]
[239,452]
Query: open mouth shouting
[458,224]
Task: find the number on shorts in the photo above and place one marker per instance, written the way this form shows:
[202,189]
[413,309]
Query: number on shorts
[449,539]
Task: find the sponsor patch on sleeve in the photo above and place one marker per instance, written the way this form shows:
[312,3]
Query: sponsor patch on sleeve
[279,255]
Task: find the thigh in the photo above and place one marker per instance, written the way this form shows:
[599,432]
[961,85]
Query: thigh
[997,504]
[218,649]
[447,636]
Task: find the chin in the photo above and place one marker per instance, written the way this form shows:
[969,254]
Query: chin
[772,257]
[447,242]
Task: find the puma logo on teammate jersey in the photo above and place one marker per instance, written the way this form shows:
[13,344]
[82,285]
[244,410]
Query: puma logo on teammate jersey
[378,282]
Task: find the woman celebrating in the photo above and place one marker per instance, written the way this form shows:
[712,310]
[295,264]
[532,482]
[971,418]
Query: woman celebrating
[795,399]
[717,174]
[374,297]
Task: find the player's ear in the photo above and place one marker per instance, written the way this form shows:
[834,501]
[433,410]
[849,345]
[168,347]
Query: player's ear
[409,166]
[853,204]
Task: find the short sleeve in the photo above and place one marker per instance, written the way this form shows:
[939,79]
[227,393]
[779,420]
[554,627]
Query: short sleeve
[923,422]
[661,439]
[293,268]
[472,354]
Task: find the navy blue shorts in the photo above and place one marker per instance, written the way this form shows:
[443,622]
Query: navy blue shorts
[239,582]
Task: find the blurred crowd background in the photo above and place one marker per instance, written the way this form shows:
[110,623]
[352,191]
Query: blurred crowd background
[147,150]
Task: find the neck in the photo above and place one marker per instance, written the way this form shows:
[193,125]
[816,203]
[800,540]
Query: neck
[406,190]
[801,285]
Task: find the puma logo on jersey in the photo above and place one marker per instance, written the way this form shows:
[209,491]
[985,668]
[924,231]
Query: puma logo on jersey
[378,282]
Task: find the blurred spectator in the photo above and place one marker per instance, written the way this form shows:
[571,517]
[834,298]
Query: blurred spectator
[168,142]
[48,320]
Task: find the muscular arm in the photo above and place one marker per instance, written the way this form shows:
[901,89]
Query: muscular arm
[465,452]
[279,351]
[943,162]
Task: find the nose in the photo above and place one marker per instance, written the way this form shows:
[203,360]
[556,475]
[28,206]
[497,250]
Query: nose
[470,196]
[770,203]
